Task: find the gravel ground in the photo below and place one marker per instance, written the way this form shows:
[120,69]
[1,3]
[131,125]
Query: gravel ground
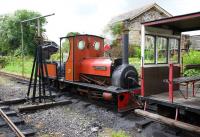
[81,118]
[15,90]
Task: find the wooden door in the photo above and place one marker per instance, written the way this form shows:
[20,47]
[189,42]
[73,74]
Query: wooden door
[69,67]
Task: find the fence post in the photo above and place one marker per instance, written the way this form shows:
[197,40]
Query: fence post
[171,82]
[142,78]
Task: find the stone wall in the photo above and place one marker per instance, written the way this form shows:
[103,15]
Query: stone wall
[135,24]
[195,42]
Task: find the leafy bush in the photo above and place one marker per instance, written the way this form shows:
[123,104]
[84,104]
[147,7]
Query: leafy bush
[136,62]
[116,52]
[10,39]
[137,52]
[72,34]
[17,52]
[116,29]
[191,58]
[134,51]
[192,72]
[149,54]
[55,57]
[3,61]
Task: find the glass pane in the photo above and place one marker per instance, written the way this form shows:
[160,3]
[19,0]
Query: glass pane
[96,45]
[173,50]
[149,49]
[81,45]
[161,45]
[65,45]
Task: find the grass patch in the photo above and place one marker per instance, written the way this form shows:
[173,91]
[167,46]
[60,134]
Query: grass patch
[136,62]
[191,58]
[14,66]
[119,134]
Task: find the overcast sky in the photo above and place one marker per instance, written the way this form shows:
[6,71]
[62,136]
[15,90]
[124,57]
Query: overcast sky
[89,16]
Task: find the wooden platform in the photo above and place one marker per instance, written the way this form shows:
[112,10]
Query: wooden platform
[191,104]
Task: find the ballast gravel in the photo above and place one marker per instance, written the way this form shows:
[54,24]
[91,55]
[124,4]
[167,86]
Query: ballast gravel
[79,119]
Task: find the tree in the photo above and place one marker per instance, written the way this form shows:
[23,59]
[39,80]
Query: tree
[115,30]
[72,34]
[10,31]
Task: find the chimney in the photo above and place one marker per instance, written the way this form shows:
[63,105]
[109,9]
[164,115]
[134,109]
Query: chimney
[125,42]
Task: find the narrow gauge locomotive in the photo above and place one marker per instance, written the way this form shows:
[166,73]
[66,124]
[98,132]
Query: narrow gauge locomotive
[86,70]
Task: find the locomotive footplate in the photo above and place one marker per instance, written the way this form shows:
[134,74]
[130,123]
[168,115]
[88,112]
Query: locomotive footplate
[123,98]
[108,89]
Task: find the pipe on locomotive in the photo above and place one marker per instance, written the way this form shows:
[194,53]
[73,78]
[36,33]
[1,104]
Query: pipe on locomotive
[125,43]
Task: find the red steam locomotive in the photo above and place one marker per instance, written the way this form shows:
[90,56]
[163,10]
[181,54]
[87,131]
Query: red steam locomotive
[86,70]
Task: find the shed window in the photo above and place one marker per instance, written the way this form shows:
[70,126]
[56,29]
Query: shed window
[161,50]
[173,50]
[149,49]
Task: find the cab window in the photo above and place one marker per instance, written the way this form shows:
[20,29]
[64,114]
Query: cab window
[65,49]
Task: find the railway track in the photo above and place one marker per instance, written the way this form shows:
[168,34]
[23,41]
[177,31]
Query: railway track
[16,77]
[140,125]
[12,125]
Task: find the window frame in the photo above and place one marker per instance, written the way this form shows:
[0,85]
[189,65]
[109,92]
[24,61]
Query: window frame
[61,53]
[155,49]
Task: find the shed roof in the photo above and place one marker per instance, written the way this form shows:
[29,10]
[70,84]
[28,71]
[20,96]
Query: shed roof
[137,12]
[186,22]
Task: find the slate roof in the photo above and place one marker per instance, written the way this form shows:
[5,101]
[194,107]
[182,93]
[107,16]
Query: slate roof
[137,12]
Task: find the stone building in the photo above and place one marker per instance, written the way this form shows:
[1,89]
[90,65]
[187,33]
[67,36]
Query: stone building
[195,42]
[146,13]
[185,42]
[190,42]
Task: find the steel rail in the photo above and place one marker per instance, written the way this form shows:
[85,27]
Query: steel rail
[19,77]
[11,124]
